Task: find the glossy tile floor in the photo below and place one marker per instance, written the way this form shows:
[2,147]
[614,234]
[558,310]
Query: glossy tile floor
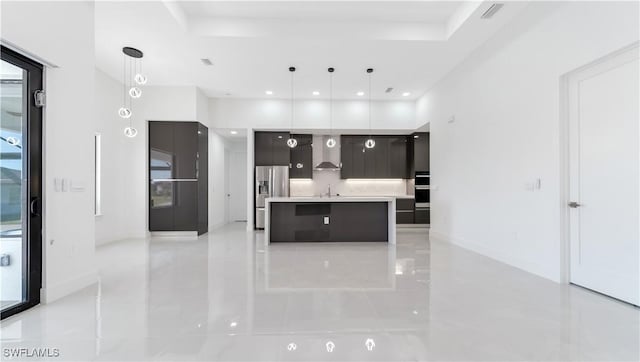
[227,296]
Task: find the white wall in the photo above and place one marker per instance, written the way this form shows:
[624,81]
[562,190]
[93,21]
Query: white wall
[62,33]
[506,103]
[311,114]
[112,224]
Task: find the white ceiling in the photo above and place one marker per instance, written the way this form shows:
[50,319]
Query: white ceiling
[411,45]
[325,10]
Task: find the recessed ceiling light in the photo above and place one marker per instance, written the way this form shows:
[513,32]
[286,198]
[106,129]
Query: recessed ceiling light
[360,94]
[234,132]
[316,93]
[268,92]
[406,94]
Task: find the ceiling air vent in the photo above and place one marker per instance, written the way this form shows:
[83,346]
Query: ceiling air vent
[491,11]
[206,61]
[388,90]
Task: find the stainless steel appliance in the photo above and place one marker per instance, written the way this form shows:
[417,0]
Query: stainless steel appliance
[271,181]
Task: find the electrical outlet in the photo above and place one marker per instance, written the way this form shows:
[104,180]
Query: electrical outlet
[5,260]
[326,220]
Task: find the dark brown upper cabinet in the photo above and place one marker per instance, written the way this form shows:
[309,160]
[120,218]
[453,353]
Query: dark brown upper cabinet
[271,149]
[185,143]
[400,163]
[301,157]
[421,152]
[388,159]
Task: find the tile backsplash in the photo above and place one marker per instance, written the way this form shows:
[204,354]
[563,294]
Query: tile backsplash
[365,187]
[353,187]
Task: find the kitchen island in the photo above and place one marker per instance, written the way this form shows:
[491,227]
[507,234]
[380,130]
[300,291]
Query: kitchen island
[331,219]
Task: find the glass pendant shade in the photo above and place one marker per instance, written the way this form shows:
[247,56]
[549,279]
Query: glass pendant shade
[331,142]
[13,141]
[370,143]
[330,346]
[135,92]
[124,112]
[292,142]
[140,79]
[130,132]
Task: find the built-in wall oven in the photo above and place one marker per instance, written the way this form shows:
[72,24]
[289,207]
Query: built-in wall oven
[423,197]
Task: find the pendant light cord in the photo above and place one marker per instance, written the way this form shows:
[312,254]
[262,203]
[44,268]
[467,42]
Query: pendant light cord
[131,64]
[370,103]
[292,107]
[124,80]
[331,103]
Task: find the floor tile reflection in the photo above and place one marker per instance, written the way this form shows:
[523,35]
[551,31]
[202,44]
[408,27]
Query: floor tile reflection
[229,296]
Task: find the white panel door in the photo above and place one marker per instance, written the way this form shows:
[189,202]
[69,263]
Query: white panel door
[604,176]
[238,187]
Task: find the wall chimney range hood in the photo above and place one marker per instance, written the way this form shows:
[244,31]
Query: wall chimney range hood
[326,163]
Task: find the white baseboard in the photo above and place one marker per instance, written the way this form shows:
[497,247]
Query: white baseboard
[59,290]
[182,235]
[474,246]
[217,226]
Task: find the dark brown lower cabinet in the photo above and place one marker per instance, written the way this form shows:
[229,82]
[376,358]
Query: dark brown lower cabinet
[423,216]
[405,211]
[347,221]
[178,176]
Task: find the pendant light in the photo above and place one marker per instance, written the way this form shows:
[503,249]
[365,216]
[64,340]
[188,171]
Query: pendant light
[134,57]
[292,142]
[370,142]
[331,142]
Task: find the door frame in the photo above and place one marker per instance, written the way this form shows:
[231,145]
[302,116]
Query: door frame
[32,248]
[565,144]
[227,191]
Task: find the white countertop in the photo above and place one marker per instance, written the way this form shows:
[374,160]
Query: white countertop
[331,199]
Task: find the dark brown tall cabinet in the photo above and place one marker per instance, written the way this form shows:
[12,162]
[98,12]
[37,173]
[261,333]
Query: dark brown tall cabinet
[178,176]
[420,152]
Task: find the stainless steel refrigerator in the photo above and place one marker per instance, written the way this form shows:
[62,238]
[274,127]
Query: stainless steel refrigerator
[271,181]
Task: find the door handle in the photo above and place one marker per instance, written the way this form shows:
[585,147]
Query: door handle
[574,205]
[34,206]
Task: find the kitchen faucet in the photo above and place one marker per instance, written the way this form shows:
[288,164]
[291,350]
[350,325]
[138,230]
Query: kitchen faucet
[329,190]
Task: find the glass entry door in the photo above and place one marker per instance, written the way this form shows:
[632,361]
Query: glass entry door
[20,183]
